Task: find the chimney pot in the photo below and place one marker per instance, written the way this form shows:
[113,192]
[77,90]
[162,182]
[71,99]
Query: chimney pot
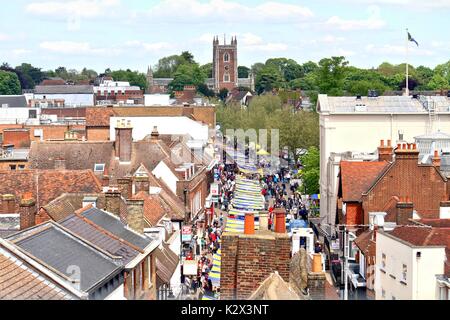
[436,154]
[280,216]
[381,143]
[389,143]
[249,223]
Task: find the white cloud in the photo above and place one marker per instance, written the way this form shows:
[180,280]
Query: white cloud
[73,8]
[20,52]
[4,37]
[157,46]
[246,42]
[411,4]
[219,11]
[373,22]
[77,48]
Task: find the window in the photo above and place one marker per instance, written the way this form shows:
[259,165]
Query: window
[226,77]
[226,57]
[32,114]
[404,272]
[383,261]
[99,167]
[21,167]
[12,167]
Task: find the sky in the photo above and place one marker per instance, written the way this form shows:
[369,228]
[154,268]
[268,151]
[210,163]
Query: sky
[133,34]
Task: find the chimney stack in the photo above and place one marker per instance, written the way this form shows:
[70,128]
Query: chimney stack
[436,160]
[8,203]
[407,151]
[27,210]
[124,140]
[280,218]
[385,153]
[112,202]
[141,184]
[155,134]
[249,223]
[404,211]
[125,187]
[135,215]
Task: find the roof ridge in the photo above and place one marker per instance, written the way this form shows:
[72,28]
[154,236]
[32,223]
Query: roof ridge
[110,234]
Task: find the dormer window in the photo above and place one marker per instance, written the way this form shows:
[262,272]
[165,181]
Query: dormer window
[226,57]
[99,167]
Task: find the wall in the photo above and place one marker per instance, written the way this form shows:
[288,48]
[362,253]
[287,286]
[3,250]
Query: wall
[48,131]
[143,126]
[163,172]
[421,274]
[423,184]
[247,260]
[82,99]
[97,134]
[362,133]
[18,115]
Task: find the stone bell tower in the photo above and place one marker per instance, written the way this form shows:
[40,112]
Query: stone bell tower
[225,64]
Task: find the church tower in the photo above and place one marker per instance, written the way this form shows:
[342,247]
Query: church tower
[225,64]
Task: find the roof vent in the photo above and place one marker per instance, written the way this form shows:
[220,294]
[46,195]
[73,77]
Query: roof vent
[358,97]
[372,94]
[415,96]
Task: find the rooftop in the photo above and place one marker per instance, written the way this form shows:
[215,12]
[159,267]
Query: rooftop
[60,250]
[64,89]
[380,105]
[13,101]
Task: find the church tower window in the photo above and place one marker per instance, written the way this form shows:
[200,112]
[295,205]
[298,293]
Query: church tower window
[226,77]
[226,57]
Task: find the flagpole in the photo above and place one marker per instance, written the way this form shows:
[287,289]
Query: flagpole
[407,67]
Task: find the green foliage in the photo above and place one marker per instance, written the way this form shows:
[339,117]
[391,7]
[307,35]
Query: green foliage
[207,69]
[243,72]
[9,83]
[331,75]
[298,129]
[223,94]
[311,170]
[135,78]
[187,74]
[268,78]
[204,90]
[438,82]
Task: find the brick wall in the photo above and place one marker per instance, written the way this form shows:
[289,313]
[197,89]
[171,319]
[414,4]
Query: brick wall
[97,133]
[422,183]
[20,138]
[247,260]
[353,213]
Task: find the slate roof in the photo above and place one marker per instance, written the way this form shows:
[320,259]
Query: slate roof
[357,177]
[20,281]
[64,89]
[47,185]
[363,241]
[62,251]
[100,237]
[13,101]
[113,225]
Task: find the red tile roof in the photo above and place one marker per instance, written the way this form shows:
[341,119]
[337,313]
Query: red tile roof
[154,207]
[358,176]
[47,185]
[422,236]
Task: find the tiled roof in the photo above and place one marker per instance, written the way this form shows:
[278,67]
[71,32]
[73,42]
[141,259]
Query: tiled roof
[422,236]
[154,207]
[116,227]
[358,176]
[166,263]
[78,155]
[61,251]
[275,288]
[99,237]
[47,185]
[19,281]
[68,203]
[363,241]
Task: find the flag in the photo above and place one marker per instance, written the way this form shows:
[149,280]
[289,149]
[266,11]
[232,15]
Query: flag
[412,39]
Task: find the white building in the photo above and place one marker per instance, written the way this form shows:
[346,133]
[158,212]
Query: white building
[143,126]
[410,264]
[73,95]
[20,115]
[349,124]
[158,99]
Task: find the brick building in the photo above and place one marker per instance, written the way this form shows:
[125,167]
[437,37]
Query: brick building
[225,65]
[249,258]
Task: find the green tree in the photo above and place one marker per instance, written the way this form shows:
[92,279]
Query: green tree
[135,78]
[187,74]
[288,68]
[243,72]
[223,94]
[331,75]
[268,78]
[204,90]
[9,83]
[311,170]
[207,69]
[438,82]
[30,76]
